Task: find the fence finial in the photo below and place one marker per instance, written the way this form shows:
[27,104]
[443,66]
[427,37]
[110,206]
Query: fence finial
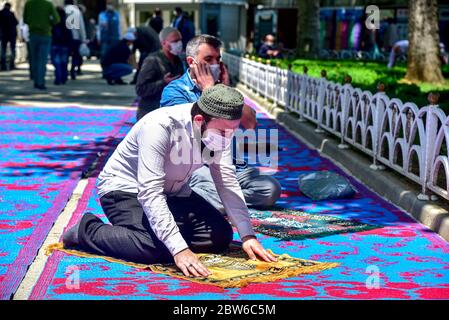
[305,70]
[323,73]
[259,60]
[433,98]
[247,56]
[348,79]
[380,87]
[268,62]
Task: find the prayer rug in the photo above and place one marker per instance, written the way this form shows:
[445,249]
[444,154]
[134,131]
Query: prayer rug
[288,225]
[231,269]
[45,152]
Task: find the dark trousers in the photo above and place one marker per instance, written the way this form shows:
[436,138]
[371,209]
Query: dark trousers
[116,71]
[59,59]
[39,51]
[12,48]
[131,238]
[77,59]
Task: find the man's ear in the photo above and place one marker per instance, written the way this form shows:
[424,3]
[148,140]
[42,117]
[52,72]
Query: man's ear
[190,61]
[198,120]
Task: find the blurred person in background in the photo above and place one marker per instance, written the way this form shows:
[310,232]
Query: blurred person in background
[158,70]
[78,30]
[115,62]
[61,42]
[147,41]
[8,35]
[40,16]
[156,22]
[108,33]
[183,23]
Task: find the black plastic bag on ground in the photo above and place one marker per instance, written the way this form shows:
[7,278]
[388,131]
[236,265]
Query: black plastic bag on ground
[325,185]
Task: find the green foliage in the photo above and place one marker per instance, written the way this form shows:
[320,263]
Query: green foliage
[367,74]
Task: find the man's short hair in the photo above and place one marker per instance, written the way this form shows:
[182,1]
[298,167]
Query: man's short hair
[166,32]
[178,9]
[195,42]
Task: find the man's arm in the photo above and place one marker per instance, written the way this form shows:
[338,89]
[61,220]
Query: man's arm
[225,179]
[231,195]
[148,81]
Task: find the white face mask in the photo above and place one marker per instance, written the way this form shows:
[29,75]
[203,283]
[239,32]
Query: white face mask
[216,71]
[214,141]
[176,48]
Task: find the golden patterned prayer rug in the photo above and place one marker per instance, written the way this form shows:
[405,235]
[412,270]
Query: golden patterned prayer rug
[231,269]
[287,224]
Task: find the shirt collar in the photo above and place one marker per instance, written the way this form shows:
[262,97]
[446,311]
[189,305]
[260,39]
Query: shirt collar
[189,81]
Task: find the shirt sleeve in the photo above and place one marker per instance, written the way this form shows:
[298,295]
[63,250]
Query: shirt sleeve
[231,195]
[154,144]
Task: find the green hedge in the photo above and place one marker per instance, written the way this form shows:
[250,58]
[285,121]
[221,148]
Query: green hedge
[367,74]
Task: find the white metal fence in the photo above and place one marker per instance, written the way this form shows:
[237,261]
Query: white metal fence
[410,140]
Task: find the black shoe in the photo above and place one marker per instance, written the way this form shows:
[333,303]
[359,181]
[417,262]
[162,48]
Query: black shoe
[120,81]
[110,82]
[70,237]
[40,87]
[57,83]
[73,75]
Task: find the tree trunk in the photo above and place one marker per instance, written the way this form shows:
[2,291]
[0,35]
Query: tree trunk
[423,63]
[308,28]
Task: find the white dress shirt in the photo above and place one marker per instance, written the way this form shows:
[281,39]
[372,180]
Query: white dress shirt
[157,158]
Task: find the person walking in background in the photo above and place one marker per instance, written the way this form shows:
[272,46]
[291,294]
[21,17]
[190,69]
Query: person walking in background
[184,25]
[108,28]
[40,16]
[78,36]
[156,22]
[115,62]
[61,42]
[159,69]
[147,41]
[391,35]
[8,34]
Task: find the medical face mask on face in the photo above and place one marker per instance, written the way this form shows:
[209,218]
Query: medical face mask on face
[214,141]
[176,48]
[215,70]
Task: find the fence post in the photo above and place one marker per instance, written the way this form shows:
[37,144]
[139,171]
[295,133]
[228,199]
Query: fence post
[428,151]
[380,110]
[259,60]
[268,63]
[276,83]
[302,93]
[320,102]
[345,102]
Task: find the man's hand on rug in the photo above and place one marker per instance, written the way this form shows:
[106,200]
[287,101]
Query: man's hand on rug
[190,265]
[253,247]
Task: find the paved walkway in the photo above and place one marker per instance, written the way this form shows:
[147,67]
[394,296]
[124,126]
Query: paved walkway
[89,89]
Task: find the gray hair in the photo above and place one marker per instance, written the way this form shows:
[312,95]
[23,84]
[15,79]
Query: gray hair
[195,42]
[166,32]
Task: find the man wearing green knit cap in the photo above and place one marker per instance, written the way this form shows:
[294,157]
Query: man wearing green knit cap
[40,16]
[144,189]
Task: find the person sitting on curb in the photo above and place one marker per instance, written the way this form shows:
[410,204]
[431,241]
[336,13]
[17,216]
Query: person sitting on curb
[115,62]
[206,69]
[158,70]
[155,216]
